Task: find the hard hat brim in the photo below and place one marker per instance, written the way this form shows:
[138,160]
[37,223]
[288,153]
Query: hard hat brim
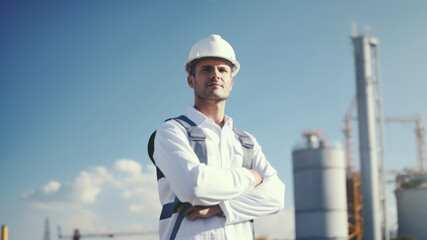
[191,63]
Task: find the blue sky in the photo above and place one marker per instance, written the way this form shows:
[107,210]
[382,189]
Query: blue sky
[84,83]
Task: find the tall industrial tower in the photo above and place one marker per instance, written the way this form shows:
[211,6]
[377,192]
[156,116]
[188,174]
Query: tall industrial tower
[46,235]
[370,119]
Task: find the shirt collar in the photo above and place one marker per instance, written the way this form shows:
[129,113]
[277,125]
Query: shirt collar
[199,118]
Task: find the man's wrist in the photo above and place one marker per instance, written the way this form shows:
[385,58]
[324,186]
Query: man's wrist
[257,177]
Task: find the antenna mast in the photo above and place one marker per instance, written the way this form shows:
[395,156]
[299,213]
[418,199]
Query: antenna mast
[46,235]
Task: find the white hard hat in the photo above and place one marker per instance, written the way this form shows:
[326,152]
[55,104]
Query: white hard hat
[212,47]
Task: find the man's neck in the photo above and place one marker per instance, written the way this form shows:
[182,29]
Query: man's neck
[212,110]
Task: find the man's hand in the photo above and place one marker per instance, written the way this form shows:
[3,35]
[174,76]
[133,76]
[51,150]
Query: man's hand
[258,178]
[194,212]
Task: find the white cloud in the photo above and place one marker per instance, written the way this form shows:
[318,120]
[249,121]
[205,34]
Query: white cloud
[122,193]
[84,189]
[142,199]
[87,187]
[51,187]
[127,194]
[25,195]
[136,208]
[128,166]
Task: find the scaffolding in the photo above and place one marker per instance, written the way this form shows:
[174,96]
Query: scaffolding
[354,207]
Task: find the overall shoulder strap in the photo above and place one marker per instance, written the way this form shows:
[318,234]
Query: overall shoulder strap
[247,146]
[196,137]
[248,153]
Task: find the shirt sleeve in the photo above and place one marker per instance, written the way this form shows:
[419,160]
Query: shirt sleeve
[190,180]
[265,199]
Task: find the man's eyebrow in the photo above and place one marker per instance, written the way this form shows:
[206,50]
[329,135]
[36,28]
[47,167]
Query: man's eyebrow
[210,66]
[206,66]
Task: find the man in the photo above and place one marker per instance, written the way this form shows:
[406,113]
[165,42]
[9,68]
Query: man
[212,193]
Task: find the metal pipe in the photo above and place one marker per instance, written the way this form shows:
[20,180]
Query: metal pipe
[385,231]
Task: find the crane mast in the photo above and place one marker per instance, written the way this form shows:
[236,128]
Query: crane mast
[419,133]
[348,133]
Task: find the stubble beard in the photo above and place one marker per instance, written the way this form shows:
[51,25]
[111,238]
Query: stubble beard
[205,95]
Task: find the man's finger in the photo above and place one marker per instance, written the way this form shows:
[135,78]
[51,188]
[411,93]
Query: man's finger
[193,212]
[193,215]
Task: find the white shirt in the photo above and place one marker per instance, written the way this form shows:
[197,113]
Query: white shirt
[222,181]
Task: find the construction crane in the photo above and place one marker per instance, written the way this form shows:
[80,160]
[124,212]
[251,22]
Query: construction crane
[419,133]
[354,216]
[354,196]
[348,133]
[78,236]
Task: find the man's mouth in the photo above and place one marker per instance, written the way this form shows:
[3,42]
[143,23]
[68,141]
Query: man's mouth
[215,85]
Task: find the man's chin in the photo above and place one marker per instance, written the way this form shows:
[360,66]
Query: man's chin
[215,99]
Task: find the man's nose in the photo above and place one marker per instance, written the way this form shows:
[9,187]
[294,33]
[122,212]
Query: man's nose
[215,73]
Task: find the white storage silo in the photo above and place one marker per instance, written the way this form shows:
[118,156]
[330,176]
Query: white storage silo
[319,191]
[411,196]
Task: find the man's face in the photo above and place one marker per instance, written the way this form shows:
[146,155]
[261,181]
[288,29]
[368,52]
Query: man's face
[212,80]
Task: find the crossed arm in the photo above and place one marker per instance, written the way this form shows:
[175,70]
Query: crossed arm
[194,212]
[240,194]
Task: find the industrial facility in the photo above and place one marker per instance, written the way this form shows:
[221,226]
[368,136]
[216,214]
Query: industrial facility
[332,199]
[411,196]
[335,201]
[320,202]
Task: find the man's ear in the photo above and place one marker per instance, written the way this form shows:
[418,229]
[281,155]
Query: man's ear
[190,81]
[231,84]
